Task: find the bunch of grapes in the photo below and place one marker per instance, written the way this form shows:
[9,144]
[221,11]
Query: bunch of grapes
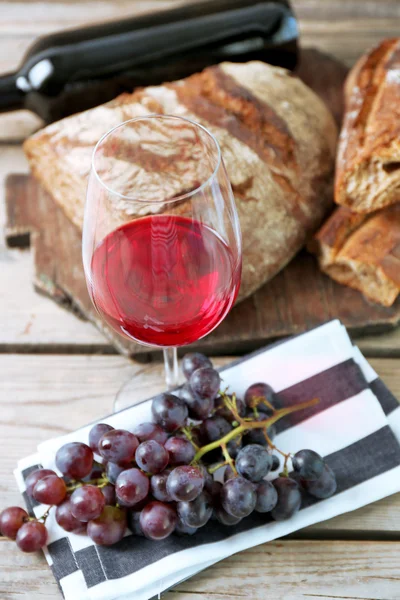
[157,479]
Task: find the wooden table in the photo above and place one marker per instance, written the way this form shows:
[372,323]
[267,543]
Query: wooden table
[57,373]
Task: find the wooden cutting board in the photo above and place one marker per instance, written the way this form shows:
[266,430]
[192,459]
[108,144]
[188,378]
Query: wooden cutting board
[297,299]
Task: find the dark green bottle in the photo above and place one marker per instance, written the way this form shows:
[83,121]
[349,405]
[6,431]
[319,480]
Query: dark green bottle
[70,71]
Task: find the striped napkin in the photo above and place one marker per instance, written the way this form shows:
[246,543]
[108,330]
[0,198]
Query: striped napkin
[355,426]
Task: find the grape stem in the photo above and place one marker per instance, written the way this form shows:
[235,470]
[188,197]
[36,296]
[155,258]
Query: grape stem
[215,468]
[273,447]
[228,457]
[100,483]
[188,433]
[263,400]
[45,515]
[245,425]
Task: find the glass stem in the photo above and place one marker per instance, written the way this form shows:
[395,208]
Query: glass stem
[171,367]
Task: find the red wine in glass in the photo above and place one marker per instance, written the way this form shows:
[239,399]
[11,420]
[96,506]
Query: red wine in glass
[161,242]
[164,280]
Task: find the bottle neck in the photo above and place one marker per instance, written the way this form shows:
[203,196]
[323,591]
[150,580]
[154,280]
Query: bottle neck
[11,98]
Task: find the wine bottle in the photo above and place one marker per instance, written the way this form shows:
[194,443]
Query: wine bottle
[70,71]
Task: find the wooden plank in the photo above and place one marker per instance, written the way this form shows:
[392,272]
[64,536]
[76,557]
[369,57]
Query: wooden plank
[301,571]
[45,396]
[29,319]
[344,40]
[317,10]
[385,345]
[38,18]
[282,570]
[346,28]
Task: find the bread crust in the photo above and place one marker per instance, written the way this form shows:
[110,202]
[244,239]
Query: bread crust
[278,141]
[368,162]
[362,251]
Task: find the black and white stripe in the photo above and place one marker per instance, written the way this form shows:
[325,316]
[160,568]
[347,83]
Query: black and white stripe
[356,426]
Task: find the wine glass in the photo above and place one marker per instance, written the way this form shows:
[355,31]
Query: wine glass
[161,237]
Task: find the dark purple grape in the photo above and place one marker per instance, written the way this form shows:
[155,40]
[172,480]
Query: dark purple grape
[34,477]
[109,528]
[151,457]
[267,497]
[289,498]
[208,478]
[96,433]
[308,464]
[213,429]
[229,473]
[323,487]
[225,518]
[139,505]
[276,463]
[255,393]
[31,536]
[97,471]
[197,512]
[158,486]
[212,458]
[66,519]
[158,520]
[131,487]
[234,446]
[169,411]
[238,497]
[74,460]
[11,520]
[185,483]
[193,361]
[194,435]
[181,451]
[205,382]
[150,431]
[108,492]
[50,490]
[253,462]
[134,523]
[215,492]
[225,412]
[118,446]
[182,529]
[199,408]
[87,502]
[112,472]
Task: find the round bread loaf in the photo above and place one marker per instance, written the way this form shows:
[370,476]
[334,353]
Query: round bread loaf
[277,138]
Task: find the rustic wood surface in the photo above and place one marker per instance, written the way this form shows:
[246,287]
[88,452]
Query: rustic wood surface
[56,383]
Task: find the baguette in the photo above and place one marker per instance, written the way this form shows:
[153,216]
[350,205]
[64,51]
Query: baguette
[368,162]
[362,251]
